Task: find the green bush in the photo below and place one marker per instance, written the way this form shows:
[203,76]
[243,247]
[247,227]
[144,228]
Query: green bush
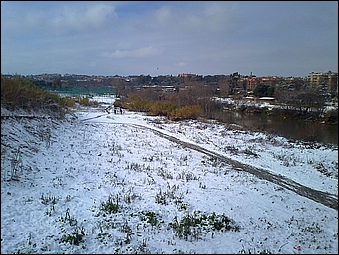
[135,103]
[186,112]
[111,205]
[263,90]
[68,102]
[149,217]
[75,238]
[19,93]
[192,225]
[162,109]
[83,100]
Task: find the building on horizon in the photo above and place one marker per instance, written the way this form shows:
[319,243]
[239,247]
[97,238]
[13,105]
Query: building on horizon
[327,81]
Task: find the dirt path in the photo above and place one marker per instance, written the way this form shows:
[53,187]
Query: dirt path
[324,198]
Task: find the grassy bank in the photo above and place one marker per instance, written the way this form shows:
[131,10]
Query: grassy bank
[22,94]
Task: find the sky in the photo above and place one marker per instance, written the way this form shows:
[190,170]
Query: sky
[277,38]
[56,175]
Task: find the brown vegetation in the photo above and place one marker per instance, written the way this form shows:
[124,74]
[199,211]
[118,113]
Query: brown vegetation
[21,93]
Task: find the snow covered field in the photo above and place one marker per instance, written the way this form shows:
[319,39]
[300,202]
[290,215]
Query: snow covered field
[117,183]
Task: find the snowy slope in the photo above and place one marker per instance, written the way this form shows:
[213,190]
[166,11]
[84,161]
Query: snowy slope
[115,185]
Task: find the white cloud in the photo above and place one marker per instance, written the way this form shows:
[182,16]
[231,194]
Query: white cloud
[182,64]
[200,19]
[70,19]
[164,15]
[60,20]
[219,16]
[202,37]
[99,13]
[138,53]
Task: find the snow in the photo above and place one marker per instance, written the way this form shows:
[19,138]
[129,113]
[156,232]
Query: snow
[56,175]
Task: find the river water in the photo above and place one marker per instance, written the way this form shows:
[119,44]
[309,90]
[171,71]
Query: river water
[288,128]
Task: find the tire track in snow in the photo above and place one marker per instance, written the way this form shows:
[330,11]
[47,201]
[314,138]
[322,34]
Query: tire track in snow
[325,198]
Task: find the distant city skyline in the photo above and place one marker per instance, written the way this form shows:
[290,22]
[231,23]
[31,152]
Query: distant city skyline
[178,75]
[278,38]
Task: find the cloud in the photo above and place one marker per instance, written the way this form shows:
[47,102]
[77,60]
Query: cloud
[137,53]
[175,20]
[182,64]
[59,19]
[226,18]
[164,15]
[70,19]
[201,18]
[178,36]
